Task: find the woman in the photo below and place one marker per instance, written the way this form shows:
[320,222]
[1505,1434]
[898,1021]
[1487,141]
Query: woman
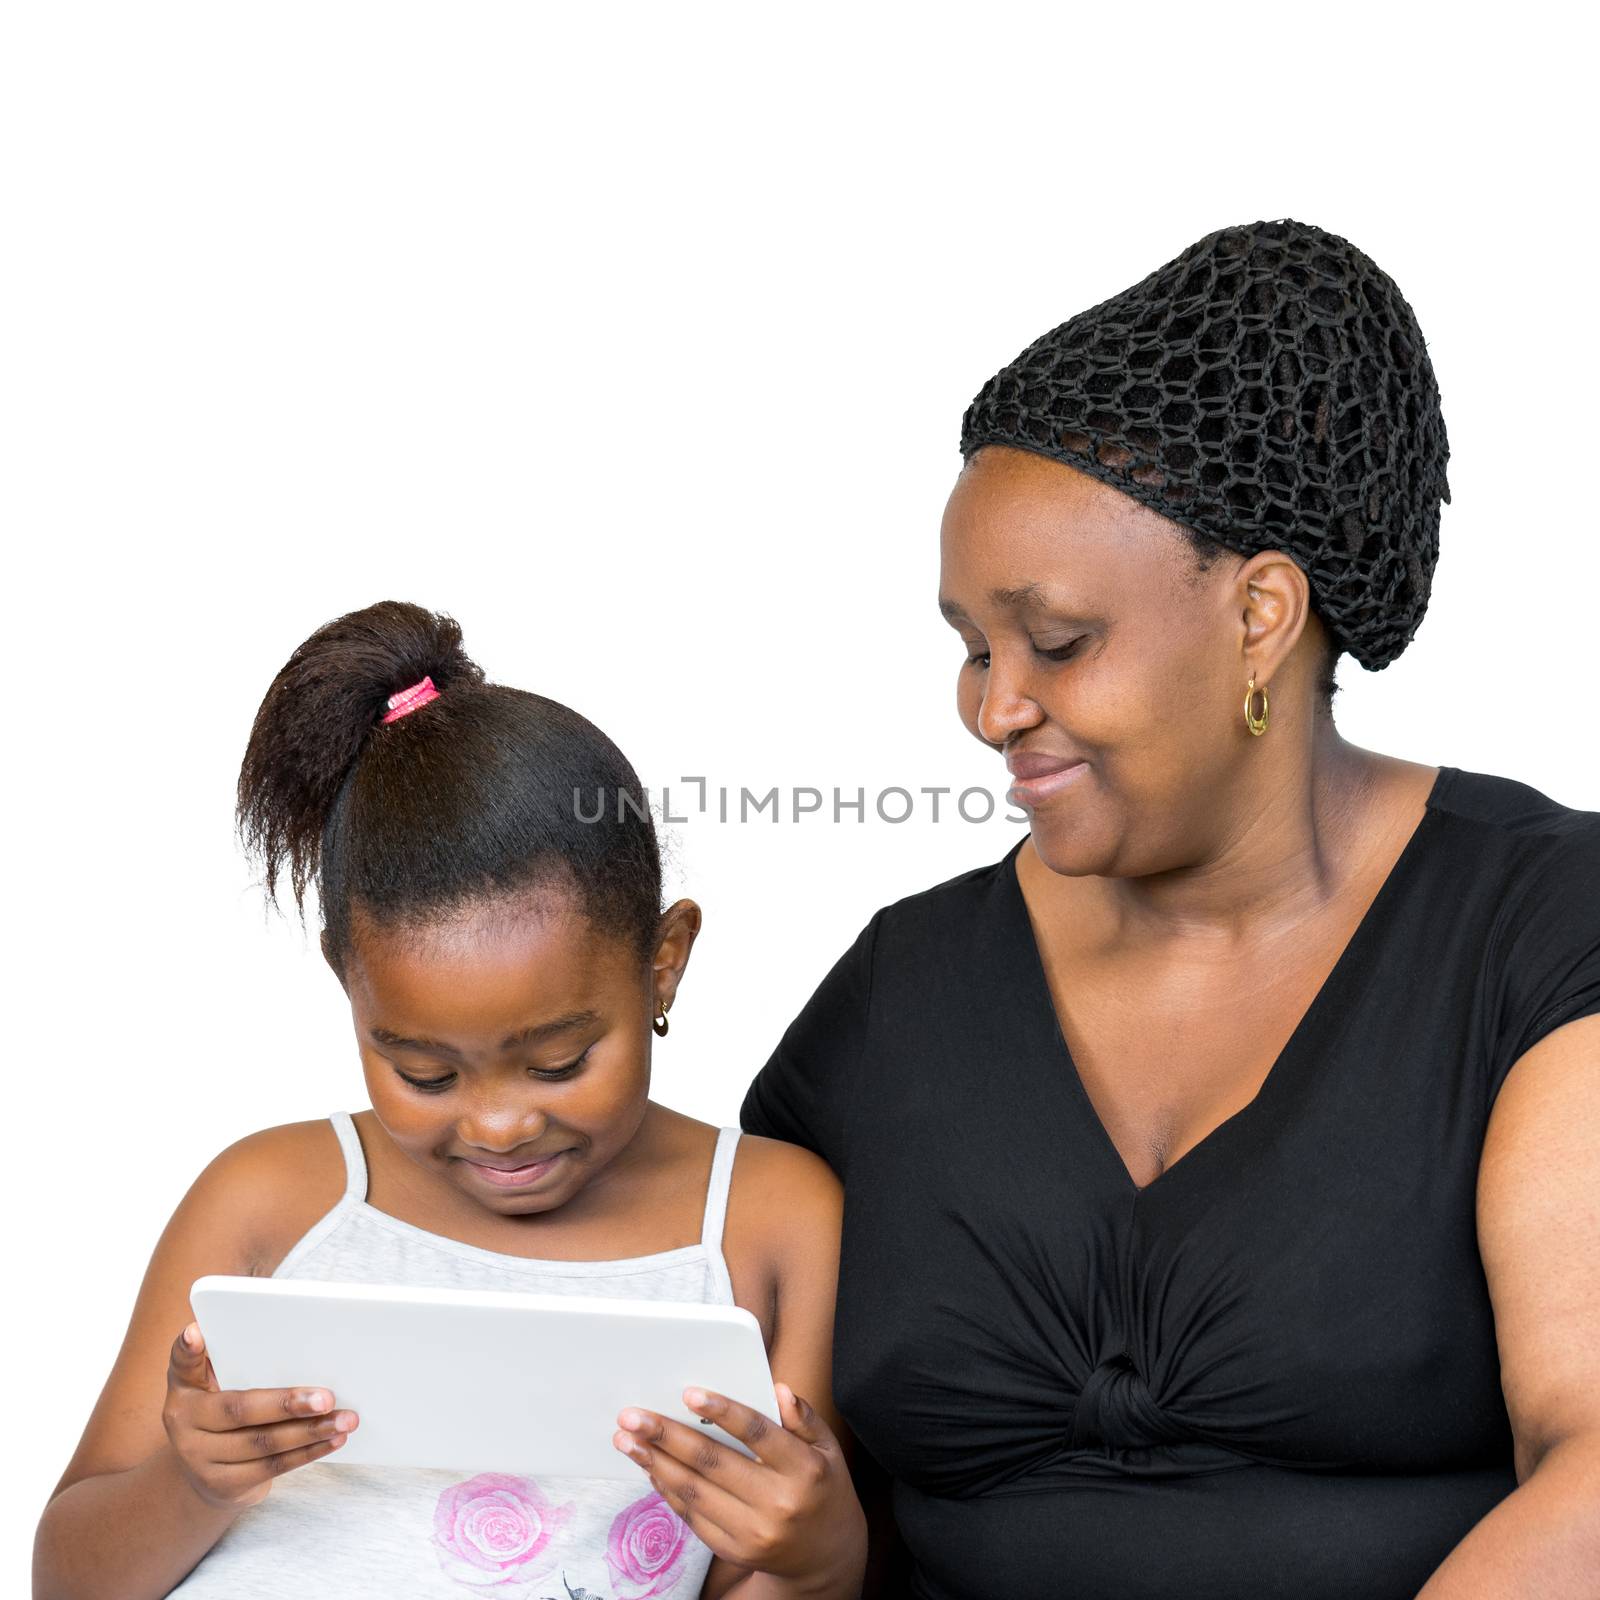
[1220,1165]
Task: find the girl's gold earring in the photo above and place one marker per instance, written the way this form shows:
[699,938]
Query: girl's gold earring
[660,1023]
[1255,724]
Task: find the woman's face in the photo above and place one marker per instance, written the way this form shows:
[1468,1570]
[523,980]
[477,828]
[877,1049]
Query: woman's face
[1108,672]
[508,1052]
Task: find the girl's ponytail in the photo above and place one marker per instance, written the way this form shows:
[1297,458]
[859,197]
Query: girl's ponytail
[470,793]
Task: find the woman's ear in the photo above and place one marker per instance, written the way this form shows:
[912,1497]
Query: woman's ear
[675,936]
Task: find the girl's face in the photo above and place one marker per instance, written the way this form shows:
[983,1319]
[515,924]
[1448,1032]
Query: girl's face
[508,1052]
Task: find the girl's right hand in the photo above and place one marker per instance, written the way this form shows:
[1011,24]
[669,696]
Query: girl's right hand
[232,1443]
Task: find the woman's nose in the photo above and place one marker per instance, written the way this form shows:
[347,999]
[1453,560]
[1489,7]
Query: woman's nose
[1006,708]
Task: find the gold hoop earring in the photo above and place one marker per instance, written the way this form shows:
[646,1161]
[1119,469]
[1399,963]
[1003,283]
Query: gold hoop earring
[660,1023]
[1253,723]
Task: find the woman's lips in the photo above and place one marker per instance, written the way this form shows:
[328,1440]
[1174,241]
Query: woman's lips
[1036,779]
[515,1177]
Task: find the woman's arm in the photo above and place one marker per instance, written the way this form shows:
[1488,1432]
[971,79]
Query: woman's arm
[127,1521]
[1539,1235]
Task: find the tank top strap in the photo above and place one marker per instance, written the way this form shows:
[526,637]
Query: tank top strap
[355,1162]
[717,1189]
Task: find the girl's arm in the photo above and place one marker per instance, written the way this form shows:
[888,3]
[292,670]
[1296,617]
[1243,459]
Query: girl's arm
[129,1518]
[804,1224]
[795,1508]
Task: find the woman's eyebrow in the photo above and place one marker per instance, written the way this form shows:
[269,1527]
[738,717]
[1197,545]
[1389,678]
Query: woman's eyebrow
[540,1030]
[1025,594]
[1014,599]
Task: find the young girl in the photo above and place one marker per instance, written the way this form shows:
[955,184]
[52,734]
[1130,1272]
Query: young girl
[506,960]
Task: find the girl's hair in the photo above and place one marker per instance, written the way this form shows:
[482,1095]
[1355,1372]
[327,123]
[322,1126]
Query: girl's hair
[476,795]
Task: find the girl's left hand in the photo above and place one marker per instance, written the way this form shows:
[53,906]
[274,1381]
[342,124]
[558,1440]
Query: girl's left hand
[792,1512]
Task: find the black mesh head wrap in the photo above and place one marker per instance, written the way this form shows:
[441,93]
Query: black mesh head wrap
[1270,389]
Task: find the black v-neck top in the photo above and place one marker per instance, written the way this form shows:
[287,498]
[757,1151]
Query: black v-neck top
[1270,1372]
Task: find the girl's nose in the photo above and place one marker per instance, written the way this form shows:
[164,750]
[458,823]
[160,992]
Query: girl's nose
[1006,707]
[501,1129]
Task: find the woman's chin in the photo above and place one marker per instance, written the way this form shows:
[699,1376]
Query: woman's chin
[1061,846]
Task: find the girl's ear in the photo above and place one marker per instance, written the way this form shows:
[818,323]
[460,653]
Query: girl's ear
[675,937]
[327,955]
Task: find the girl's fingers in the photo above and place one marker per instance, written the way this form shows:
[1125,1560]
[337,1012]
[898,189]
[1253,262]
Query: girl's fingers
[189,1364]
[712,1534]
[279,1438]
[802,1419]
[718,1517]
[692,1448]
[772,1442]
[223,1411]
[245,1475]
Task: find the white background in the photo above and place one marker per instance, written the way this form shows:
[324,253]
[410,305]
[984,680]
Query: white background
[638,339]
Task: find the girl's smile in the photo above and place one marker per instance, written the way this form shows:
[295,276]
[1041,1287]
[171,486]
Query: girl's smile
[512,1177]
[507,1050]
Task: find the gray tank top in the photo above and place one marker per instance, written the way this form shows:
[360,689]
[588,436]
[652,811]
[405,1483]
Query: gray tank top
[361,1533]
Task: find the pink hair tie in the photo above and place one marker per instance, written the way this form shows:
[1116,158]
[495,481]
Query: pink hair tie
[419,694]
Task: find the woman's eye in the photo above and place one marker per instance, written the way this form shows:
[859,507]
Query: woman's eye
[1060,652]
[429,1085]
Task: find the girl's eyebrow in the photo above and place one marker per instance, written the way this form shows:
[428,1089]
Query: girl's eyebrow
[539,1031]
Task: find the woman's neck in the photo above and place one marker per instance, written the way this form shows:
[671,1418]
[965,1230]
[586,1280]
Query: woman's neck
[1289,839]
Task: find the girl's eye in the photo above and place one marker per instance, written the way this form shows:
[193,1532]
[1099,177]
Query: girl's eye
[557,1073]
[547,1075]
[428,1085]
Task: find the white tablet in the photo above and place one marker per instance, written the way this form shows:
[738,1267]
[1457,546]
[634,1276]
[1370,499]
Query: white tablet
[482,1380]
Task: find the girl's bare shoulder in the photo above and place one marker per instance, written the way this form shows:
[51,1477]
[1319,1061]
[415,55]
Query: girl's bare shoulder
[786,1203]
[785,1208]
[774,1186]
[266,1189]
[782,1185]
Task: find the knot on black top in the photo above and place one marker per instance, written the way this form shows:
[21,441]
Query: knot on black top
[1268,388]
[1116,1410]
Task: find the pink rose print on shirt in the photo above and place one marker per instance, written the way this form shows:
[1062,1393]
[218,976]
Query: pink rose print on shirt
[646,1548]
[496,1532]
